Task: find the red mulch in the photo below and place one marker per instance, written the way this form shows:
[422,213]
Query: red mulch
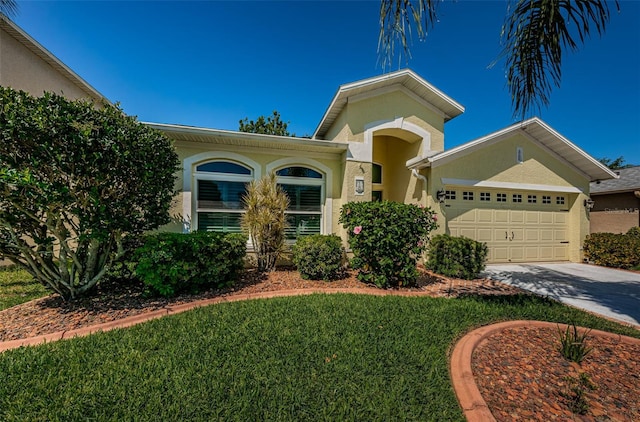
[523,377]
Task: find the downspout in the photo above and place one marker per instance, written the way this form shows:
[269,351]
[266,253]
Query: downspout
[424,183]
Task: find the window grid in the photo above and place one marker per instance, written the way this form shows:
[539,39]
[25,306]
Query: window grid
[559,200]
[516,197]
[501,197]
[467,196]
[532,199]
[546,199]
[485,196]
[450,194]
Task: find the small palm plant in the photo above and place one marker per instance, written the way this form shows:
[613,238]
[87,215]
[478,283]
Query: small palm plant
[573,345]
[265,221]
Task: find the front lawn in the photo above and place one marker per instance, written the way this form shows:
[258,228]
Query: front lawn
[319,357]
[17,286]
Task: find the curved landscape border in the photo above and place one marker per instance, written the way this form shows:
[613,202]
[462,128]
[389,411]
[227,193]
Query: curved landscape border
[474,407]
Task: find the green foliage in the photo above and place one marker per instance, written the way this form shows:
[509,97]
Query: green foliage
[634,232]
[171,263]
[615,164]
[75,180]
[573,346]
[319,257]
[272,125]
[264,220]
[458,257]
[614,250]
[387,238]
[576,394]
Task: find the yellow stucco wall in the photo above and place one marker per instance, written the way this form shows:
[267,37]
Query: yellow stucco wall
[23,70]
[351,123]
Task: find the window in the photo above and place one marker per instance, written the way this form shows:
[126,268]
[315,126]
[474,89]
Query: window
[376,196]
[546,199]
[467,196]
[532,199]
[450,194]
[376,173]
[305,188]
[559,200]
[516,197]
[519,155]
[220,187]
[501,197]
[485,196]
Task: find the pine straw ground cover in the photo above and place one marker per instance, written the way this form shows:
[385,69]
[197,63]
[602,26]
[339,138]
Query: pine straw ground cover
[338,357]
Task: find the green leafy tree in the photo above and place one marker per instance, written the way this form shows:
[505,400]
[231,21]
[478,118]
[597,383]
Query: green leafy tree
[534,35]
[272,125]
[75,180]
[617,164]
[265,221]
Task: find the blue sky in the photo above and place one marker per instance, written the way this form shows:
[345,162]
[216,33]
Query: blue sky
[212,63]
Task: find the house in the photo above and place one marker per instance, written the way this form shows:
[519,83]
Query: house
[521,189]
[616,202]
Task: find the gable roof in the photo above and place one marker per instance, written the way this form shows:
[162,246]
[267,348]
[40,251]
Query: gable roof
[401,78]
[628,180]
[535,130]
[36,48]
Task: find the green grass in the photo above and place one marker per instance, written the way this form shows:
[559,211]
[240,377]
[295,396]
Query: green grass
[312,358]
[17,286]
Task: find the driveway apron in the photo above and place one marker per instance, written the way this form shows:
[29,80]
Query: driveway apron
[605,291]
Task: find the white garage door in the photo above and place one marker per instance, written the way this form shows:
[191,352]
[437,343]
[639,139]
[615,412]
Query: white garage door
[516,226]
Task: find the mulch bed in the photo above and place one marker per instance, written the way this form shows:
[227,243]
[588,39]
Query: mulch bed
[112,300]
[522,376]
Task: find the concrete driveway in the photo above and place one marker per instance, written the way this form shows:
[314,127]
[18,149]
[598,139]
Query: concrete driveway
[605,291]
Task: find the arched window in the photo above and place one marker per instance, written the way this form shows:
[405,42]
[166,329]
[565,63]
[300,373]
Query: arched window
[305,188]
[220,187]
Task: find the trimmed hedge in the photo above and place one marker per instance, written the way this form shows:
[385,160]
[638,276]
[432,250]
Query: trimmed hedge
[387,239]
[614,250]
[458,257]
[319,257]
[171,263]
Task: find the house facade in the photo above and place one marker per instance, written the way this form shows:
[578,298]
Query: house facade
[522,189]
[616,202]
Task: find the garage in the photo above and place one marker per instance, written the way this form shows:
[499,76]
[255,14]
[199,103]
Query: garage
[517,226]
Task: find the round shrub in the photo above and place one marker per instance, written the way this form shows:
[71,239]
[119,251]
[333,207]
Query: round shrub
[458,257]
[387,239]
[319,257]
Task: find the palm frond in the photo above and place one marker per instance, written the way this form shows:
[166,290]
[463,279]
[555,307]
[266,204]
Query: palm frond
[534,36]
[397,17]
[8,8]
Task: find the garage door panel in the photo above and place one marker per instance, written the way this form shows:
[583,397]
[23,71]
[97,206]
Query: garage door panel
[546,253]
[501,216]
[560,253]
[531,253]
[560,235]
[485,216]
[532,217]
[467,232]
[546,235]
[531,235]
[517,217]
[546,218]
[484,235]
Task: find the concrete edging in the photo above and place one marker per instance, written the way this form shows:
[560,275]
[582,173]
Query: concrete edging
[474,407]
